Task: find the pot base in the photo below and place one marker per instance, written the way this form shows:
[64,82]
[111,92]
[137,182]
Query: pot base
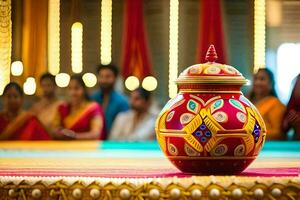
[210,166]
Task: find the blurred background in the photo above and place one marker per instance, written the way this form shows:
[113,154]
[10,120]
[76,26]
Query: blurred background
[156,38]
[43,36]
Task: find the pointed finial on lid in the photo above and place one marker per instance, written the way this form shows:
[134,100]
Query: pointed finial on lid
[211,55]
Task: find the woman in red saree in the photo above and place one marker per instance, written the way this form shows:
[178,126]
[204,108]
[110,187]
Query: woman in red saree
[79,118]
[15,123]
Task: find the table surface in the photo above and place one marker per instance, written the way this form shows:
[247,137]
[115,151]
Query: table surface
[124,159]
[119,170]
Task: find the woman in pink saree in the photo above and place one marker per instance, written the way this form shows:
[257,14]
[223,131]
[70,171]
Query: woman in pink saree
[79,118]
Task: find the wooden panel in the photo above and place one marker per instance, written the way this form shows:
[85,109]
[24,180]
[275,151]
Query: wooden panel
[189,11]
[65,36]
[117,31]
[290,22]
[157,25]
[91,11]
[239,31]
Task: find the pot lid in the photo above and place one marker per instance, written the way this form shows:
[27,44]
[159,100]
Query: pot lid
[211,72]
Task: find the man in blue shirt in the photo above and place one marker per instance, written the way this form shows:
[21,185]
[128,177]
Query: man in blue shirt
[111,101]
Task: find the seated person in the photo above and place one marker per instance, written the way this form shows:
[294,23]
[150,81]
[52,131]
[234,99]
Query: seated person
[79,118]
[111,101]
[291,117]
[138,123]
[15,123]
[46,108]
[264,97]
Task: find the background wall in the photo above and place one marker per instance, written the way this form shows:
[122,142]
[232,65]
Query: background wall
[283,26]
[238,23]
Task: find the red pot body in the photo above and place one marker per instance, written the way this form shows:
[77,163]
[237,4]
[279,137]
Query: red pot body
[210,128]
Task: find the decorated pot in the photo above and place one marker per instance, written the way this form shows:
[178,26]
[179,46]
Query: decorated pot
[210,127]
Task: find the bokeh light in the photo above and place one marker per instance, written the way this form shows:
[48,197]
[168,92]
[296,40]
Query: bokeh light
[173,47]
[149,83]
[29,86]
[132,82]
[53,36]
[106,32]
[259,34]
[90,79]
[62,80]
[16,68]
[76,47]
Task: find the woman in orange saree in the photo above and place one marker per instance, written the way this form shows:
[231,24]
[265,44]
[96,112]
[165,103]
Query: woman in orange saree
[79,118]
[264,97]
[15,123]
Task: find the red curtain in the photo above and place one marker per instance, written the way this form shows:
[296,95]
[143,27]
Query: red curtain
[211,30]
[136,59]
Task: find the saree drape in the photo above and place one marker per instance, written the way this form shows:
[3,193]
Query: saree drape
[136,59]
[81,120]
[25,127]
[34,37]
